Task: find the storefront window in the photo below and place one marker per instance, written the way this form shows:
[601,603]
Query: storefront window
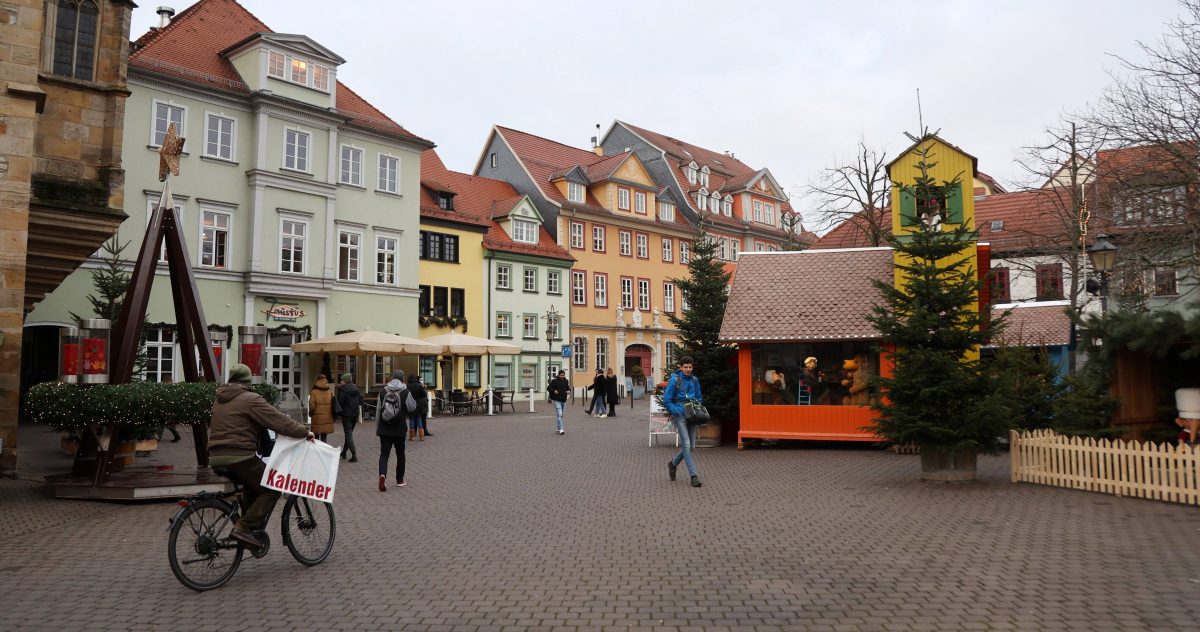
[428,366]
[500,376]
[836,374]
[471,371]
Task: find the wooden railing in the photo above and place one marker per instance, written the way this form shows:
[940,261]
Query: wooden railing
[1123,468]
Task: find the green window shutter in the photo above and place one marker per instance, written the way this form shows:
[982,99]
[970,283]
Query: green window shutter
[954,204]
[908,208]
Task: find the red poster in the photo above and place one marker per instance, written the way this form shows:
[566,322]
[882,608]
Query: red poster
[95,361]
[220,366]
[70,360]
[252,357]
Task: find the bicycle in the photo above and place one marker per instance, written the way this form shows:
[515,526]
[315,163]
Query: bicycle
[202,554]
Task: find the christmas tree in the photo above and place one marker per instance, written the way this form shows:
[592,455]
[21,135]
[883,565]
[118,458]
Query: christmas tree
[704,293]
[939,396]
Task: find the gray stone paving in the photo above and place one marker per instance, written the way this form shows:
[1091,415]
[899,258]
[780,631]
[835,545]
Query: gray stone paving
[506,526]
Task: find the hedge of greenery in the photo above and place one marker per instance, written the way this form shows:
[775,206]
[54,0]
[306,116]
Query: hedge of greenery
[141,407]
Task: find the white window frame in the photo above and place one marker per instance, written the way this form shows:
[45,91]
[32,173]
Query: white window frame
[283,65]
[627,297]
[769,214]
[622,198]
[356,252]
[352,176]
[601,353]
[716,202]
[666,211]
[600,237]
[639,202]
[691,171]
[577,235]
[493,160]
[735,246]
[668,250]
[151,204]
[209,117]
[578,287]
[154,340]
[683,251]
[668,297]
[702,201]
[296,160]
[721,252]
[291,70]
[304,250]
[228,230]
[643,246]
[643,295]
[625,243]
[553,282]
[575,192]
[529,279]
[382,183]
[319,69]
[386,244]
[504,325]
[600,289]
[504,277]
[727,206]
[758,211]
[704,171]
[579,353]
[181,125]
[529,326]
[525,231]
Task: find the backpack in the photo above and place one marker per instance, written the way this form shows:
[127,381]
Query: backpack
[391,409]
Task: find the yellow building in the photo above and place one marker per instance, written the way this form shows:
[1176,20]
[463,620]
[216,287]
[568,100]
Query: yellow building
[629,242]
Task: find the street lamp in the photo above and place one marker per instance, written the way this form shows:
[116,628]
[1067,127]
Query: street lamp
[552,318]
[1103,256]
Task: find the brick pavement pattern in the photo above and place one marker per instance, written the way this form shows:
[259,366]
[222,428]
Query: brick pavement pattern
[507,526]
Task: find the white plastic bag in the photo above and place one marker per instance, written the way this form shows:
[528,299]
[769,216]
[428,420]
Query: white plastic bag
[302,468]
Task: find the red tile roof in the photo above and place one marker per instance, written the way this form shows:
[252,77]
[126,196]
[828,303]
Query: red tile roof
[189,48]
[854,232]
[544,158]
[805,295]
[1034,325]
[480,201]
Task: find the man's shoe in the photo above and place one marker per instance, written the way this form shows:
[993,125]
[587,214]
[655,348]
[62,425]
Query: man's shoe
[428,434]
[382,483]
[246,537]
[696,481]
[671,467]
[401,483]
[354,459]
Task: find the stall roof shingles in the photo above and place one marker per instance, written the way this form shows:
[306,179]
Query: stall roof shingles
[189,48]
[806,295]
[1032,325]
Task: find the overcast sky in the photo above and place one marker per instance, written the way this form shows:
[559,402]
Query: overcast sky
[791,86]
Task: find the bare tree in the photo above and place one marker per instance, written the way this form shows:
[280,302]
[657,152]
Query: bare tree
[1149,185]
[854,192]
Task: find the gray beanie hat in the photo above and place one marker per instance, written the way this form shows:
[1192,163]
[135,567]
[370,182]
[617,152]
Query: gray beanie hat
[239,373]
[398,375]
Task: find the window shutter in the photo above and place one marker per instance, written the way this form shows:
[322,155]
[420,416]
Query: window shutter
[908,208]
[954,204]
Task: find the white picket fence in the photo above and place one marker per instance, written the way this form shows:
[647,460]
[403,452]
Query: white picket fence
[1125,468]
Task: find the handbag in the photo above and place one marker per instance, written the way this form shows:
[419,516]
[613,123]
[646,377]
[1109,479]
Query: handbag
[694,413]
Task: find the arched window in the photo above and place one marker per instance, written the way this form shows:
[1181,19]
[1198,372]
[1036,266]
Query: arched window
[76,29]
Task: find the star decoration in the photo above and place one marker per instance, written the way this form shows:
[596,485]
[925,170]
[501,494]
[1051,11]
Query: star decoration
[168,154]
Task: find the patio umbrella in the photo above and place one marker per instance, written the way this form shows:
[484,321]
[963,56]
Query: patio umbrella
[455,343]
[368,342]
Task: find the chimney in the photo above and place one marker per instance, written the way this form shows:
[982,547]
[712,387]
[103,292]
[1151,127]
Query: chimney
[164,16]
[599,151]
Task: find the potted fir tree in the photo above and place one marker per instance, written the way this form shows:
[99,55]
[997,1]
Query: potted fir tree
[938,398]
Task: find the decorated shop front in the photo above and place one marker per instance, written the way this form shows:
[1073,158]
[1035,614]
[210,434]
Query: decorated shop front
[806,355]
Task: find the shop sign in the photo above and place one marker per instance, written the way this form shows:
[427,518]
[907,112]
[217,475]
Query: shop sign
[283,312]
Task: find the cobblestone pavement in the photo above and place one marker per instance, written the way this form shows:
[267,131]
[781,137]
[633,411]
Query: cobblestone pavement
[506,525]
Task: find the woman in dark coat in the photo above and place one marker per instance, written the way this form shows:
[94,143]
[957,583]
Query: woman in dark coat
[610,391]
[599,394]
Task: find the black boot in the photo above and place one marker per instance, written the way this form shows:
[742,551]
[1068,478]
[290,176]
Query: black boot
[696,481]
[671,467]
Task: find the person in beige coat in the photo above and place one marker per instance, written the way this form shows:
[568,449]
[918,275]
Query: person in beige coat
[320,408]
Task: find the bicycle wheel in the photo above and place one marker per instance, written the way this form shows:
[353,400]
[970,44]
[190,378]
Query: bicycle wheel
[308,529]
[201,553]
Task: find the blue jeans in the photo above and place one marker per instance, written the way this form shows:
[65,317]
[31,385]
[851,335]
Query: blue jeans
[600,407]
[687,441]
[558,413]
[416,421]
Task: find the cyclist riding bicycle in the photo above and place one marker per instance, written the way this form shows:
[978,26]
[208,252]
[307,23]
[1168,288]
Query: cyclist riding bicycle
[238,416]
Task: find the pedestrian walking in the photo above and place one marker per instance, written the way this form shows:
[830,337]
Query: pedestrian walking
[681,388]
[350,401]
[425,407]
[320,407]
[597,407]
[610,392]
[416,419]
[558,389]
[395,404]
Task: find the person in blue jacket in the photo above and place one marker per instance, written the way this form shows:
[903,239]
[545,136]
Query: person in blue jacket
[681,387]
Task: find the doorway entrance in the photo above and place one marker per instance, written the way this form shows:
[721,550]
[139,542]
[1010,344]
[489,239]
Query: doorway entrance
[638,369]
[283,367]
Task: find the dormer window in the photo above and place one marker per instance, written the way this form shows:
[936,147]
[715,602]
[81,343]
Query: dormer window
[445,201]
[666,212]
[575,192]
[702,200]
[298,71]
[691,171]
[716,202]
[704,176]
[727,206]
[524,231]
